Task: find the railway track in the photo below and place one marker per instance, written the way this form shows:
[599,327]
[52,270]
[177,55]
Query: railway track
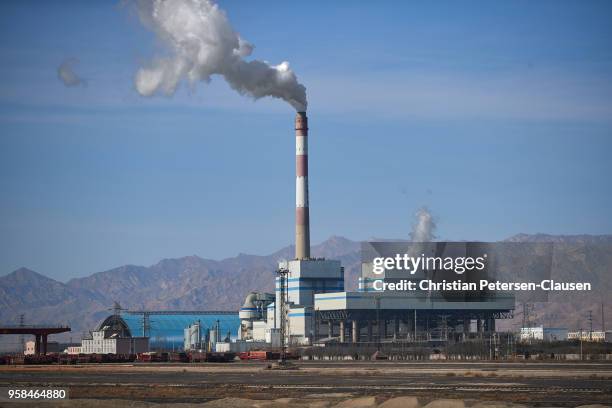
[348,387]
[477,388]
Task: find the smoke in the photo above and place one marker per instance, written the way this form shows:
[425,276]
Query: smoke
[201,43]
[424,227]
[66,74]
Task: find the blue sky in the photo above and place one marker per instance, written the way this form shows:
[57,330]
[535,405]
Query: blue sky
[495,115]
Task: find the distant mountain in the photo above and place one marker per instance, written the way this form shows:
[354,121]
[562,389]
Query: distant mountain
[585,258]
[23,289]
[191,283]
[44,300]
[566,239]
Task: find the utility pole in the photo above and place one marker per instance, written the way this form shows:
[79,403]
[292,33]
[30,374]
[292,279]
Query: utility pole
[603,321]
[509,352]
[378,322]
[21,338]
[445,326]
[415,325]
[445,331]
[590,319]
[581,344]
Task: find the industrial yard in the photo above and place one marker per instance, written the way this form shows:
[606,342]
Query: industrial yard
[328,383]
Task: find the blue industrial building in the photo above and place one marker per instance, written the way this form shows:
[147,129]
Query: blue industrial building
[165,329]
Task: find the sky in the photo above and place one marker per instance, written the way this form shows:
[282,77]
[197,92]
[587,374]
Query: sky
[497,116]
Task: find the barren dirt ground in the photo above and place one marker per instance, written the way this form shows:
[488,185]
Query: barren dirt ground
[319,384]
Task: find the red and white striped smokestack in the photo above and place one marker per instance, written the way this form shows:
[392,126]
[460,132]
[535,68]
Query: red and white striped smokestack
[302,217]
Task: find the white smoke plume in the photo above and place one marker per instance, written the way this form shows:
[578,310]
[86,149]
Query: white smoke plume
[424,227]
[66,73]
[202,43]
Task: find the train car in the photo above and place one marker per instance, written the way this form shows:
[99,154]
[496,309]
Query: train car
[260,355]
[220,357]
[197,356]
[178,358]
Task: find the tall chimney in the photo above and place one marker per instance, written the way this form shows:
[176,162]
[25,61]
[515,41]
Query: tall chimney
[302,217]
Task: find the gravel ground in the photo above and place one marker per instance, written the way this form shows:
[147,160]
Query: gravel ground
[320,384]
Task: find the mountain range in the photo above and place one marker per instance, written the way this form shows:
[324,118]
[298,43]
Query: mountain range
[194,283]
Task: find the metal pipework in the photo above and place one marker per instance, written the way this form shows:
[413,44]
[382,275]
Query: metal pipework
[302,216]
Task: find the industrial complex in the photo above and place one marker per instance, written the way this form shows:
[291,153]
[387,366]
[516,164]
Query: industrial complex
[311,307]
[311,310]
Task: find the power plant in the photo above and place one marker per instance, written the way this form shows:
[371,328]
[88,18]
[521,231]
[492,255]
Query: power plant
[311,307]
[304,276]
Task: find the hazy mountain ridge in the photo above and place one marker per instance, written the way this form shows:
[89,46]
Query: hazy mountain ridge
[194,283]
[568,239]
[586,258]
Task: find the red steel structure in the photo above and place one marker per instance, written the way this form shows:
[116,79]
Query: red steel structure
[40,333]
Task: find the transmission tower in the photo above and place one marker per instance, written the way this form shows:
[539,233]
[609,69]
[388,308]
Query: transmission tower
[146,324]
[283,273]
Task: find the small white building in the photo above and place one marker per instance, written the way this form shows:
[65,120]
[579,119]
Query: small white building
[107,341]
[259,330]
[594,336]
[542,333]
[30,347]
[273,337]
[113,336]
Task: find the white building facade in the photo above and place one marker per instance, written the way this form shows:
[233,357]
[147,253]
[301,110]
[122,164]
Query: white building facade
[541,333]
[106,342]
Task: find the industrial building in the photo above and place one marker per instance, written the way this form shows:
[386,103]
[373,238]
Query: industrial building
[30,347]
[310,306]
[74,350]
[165,330]
[198,337]
[113,336]
[591,336]
[542,333]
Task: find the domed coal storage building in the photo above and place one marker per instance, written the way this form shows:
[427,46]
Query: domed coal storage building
[165,329]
